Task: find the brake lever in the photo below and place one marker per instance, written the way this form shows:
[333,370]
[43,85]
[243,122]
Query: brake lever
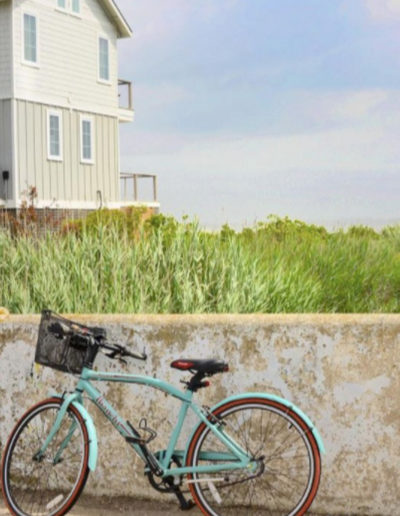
[113,354]
[117,355]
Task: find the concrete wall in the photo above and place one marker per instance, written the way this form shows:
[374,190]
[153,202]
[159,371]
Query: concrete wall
[343,371]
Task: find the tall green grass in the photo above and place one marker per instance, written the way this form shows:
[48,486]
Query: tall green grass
[163,266]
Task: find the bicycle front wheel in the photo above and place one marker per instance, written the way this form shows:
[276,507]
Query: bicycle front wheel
[51,484]
[284,475]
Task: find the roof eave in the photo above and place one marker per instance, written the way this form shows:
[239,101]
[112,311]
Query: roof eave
[124,30]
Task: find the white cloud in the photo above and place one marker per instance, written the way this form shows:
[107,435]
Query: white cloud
[160,95]
[155,20]
[351,150]
[345,170]
[353,105]
[369,147]
[383,9]
[333,176]
[339,107]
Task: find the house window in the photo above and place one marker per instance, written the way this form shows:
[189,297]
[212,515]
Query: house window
[54,135]
[76,6]
[30,38]
[104,60]
[71,6]
[87,151]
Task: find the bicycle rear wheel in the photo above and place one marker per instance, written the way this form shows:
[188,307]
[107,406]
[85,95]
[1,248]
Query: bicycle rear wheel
[48,486]
[287,465]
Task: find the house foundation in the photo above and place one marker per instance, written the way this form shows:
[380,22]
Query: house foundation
[38,221]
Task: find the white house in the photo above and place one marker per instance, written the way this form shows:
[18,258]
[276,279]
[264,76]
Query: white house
[60,103]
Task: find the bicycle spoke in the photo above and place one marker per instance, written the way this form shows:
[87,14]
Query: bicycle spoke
[277,450]
[35,486]
[277,484]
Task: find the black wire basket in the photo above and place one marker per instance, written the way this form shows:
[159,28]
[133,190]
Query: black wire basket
[60,345]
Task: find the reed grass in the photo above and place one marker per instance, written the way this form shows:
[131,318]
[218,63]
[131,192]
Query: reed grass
[163,266]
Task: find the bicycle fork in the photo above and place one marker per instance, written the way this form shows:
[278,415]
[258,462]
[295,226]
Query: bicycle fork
[54,430]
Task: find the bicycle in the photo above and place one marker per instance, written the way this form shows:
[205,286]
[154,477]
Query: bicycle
[251,453]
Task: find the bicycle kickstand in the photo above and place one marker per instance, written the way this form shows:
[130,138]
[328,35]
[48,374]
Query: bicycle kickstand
[185,505]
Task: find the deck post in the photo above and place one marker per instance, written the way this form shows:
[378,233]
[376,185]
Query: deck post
[155,189]
[135,189]
[130,96]
[133,179]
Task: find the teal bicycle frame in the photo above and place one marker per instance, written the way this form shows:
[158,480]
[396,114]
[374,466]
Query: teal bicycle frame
[235,457]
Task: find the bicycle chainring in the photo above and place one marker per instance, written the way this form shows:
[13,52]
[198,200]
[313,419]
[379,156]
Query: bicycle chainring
[159,484]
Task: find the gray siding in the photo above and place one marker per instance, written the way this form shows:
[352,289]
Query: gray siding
[5,50]
[68,180]
[6,189]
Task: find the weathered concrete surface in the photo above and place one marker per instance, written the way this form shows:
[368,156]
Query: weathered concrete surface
[120,507]
[94,506]
[343,371]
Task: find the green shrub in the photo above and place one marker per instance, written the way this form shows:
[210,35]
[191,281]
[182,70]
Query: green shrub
[130,261]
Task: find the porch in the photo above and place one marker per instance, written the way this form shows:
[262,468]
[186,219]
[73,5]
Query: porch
[125,101]
[139,189]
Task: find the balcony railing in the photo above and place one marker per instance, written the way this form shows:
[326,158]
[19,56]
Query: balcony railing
[130,191]
[125,94]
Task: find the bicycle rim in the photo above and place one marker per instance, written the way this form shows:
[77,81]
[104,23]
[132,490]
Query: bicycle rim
[285,479]
[45,488]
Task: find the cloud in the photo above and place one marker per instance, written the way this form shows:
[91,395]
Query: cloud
[383,9]
[332,108]
[371,146]
[359,104]
[341,149]
[310,133]
[155,20]
[347,168]
[159,96]
[176,108]
[329,176]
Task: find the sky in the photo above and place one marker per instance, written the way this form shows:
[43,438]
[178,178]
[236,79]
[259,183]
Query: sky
[246,108]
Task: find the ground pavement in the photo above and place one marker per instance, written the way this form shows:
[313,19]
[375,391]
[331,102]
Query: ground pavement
[119,507]
[122,507]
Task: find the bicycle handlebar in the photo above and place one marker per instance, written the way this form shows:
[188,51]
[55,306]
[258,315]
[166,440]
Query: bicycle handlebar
[99,336]
[118,351]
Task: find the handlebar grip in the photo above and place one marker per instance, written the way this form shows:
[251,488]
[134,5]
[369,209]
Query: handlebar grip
[117,350]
